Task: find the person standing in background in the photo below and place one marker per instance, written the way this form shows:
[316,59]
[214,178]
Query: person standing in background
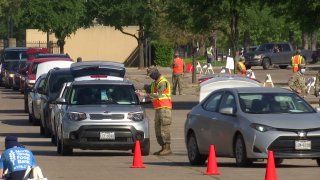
[178,67]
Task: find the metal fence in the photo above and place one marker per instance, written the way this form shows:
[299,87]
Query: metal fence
[52,47]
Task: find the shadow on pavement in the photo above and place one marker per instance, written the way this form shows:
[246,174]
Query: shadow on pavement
[16,122]
[13,97]
[81,154]
[11,111]
[180,164]
[178,105]
[22,135]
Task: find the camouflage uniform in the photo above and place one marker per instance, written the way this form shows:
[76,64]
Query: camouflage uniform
[298,84]
[162,118]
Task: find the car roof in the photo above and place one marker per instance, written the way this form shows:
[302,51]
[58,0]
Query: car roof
[223,77]
[16,49]
[51,59]
[99,82]
[260,90]
[80,65]
[60,70]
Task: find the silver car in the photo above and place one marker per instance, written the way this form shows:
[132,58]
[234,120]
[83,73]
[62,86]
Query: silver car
[34,100]
[101,114]
[245,123]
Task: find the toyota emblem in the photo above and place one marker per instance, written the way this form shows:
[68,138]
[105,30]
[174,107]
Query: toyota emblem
[302,134]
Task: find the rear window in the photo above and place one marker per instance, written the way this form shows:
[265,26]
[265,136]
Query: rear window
[15,55]
[35,67]
[56,82]
[99,71]
[103,94]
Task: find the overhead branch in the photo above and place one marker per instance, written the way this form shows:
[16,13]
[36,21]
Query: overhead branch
[129,34]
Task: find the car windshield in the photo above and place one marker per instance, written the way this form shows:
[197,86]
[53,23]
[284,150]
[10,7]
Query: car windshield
[11,55]
[103,94]
[273,103]
[12,66]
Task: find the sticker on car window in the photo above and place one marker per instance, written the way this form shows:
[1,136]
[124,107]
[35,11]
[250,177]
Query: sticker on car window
[104,96]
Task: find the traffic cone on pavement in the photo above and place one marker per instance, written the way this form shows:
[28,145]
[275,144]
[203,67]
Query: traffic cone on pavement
[271,169]
[212,168]
[137,158]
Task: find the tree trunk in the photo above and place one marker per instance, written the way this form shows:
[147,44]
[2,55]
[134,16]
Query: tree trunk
[234,31]
[314,38]
[140,44]
[61,49]
[305,40]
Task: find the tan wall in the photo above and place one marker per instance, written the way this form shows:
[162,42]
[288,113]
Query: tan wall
[96,43]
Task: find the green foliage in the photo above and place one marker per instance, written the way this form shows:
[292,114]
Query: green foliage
[163,54]
[61,18]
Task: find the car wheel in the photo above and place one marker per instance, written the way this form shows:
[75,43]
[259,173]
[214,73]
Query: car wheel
[26,109]
[195,158]
[240,153]
[41,129]
[65,149]
[34,120]
[266,63]
[318,162]
[30,118]
[58,144]
[145,149]
[53,139]
[283,66]
[278,161]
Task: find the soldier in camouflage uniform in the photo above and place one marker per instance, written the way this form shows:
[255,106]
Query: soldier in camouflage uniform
[160,94]
[297,82]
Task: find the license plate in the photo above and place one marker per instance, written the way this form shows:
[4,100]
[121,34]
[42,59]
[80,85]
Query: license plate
[302,145]
[107,136]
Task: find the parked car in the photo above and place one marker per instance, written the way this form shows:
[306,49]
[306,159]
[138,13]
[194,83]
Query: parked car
[10,68]
[30,78]
[244,123]
[32,53]
[11,54]
[34,98]
[17,78]
[316,56]
[102,114]
[270,54]
[78,71]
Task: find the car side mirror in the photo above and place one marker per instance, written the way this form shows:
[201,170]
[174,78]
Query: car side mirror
[40,90]
[227,111]
[61,101]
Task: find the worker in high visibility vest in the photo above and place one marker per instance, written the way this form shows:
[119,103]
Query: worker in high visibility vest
[160,94]
[178,69]
[241,67]
[297,60]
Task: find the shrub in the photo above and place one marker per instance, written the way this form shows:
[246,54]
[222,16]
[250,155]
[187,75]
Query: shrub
[163,54]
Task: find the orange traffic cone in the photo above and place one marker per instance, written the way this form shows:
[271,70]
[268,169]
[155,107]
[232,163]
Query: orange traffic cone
[137,159]
[212,168]
[271,169]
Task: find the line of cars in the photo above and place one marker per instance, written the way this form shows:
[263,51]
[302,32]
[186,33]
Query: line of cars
[88,105]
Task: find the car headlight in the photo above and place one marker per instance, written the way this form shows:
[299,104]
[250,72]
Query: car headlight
[261,128]
[11,75]
[257,56]
[136,116]
[76,116]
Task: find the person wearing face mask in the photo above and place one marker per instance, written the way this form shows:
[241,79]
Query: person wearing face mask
[160,95]
[297,82]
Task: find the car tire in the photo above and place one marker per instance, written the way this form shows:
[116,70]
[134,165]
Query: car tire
[240,153]
[26,109]
[53,139]
[278,161]
[65,149]
[266,63]
[41,129]
[283,66]
[146,149]
[30,118]
[318,162]
[195,158]
[58,144]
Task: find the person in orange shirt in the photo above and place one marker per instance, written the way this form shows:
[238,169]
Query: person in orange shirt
[297,60]
[241,67]
[178,69]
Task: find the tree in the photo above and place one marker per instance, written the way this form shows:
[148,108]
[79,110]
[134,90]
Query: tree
[62,17]
[122,13]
